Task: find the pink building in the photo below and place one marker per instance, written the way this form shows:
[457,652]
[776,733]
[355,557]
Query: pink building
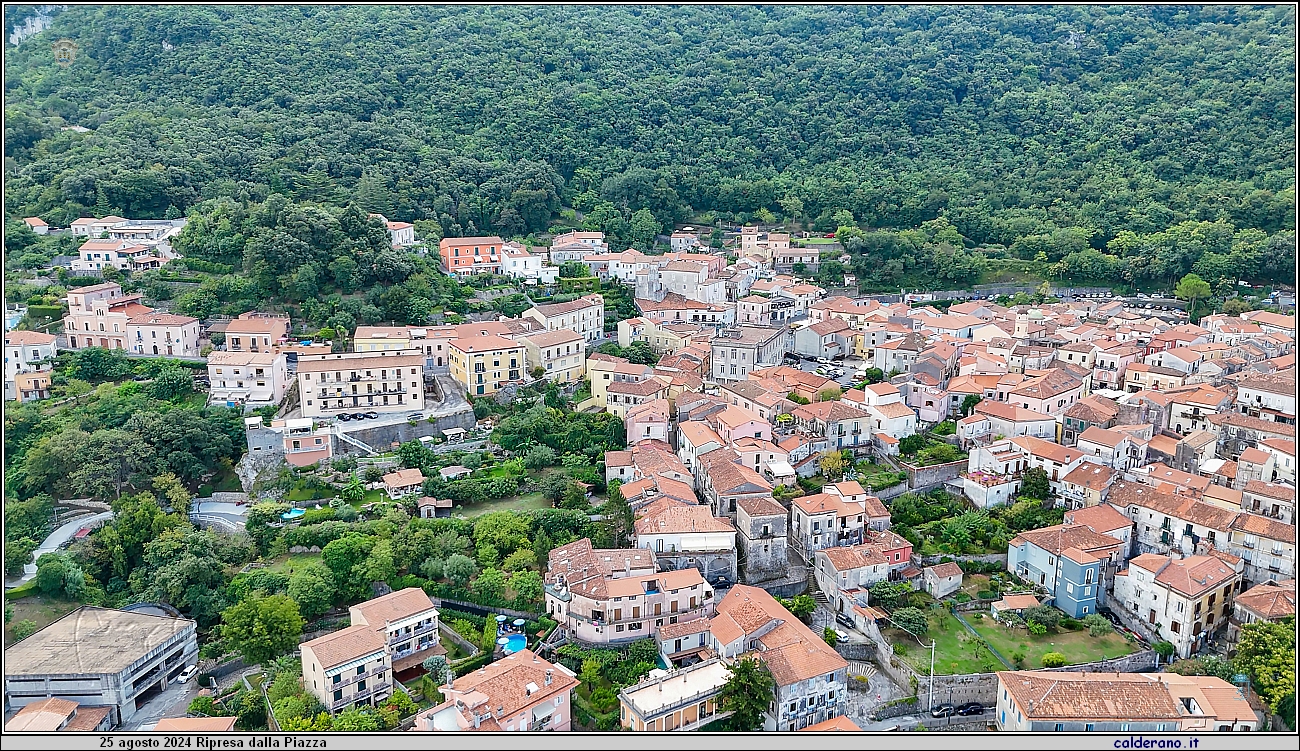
[734,423]
[519,692]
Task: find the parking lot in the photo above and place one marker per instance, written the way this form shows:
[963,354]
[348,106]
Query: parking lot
[848,365]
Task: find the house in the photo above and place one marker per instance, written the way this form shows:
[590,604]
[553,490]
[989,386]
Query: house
[942,580]
[1012,605]
[99,657]
[118,253]
[1087,485]
[724,481]
[37,225]
[584,316]
[1069,561]
[381,338]
[400,234]
[648,422]
[695,438]
[622,396]
[825,520]
[1238,432]
[1266,546]
[844,426]
[593,240]
[26,352]
[348,668]
[1284,459]
[844,574]
[1269,499]
[683,535]
[429,507]
[1110,364]
[1143,377]
[300,441]
[683,699]
[384,382]
[1268,601]
[1090,411]
[993,473]
[611,596]
[1190,410]
[155,333]
[1185,601]
[407,622]
[1105,519]
[646,459]
[884,406]
[1167,523]
[88,227]
[1054,459]
[827,339]
[735,352]
[754,310]
[484,364]
[673,307]
[97,316]
[1110,448]
[1050,393]
[811,678]
[762,524]
[561,354]
[454,472]
[403,482]
[520,692]
[32,386]
[258,332]
[466,256]
[518,263]
[243,377]
[1269,397]
[1052,701]
[1010,420]
[55,715]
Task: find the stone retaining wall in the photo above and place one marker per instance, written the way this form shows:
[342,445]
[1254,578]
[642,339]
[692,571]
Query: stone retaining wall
[933,475]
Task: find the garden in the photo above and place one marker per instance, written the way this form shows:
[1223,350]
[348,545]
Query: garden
[939,523]
[602,673]
[925,450]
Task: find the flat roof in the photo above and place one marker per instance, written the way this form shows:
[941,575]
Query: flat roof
[678,685]
[92,641]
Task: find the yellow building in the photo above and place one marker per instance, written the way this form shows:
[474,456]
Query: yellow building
[381,338]
[562,354]
[683,699]
[483,364]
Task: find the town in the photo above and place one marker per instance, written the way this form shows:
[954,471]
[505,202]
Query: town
[703,485]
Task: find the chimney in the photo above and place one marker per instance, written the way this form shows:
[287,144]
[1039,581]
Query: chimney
[549,674]
[476,720]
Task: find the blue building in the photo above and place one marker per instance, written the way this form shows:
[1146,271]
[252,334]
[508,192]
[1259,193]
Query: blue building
[1068,561]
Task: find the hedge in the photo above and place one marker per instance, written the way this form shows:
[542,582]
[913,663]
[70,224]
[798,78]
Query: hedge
[470,664]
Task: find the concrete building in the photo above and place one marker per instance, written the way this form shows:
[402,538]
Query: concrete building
[62,716]
[561,354]
[520,692]
[685,699]
[255,378]
[384,382]
[26,352]
[687,536]
[348,668]
[408,623]
[97,316]
[300,441]
[763,526]
[1268,601]
[738,351]
[100,657]
[1071,561]
[484,364]
[1185,601]
[584,316]
[256,332]
[163,334]
[466,256]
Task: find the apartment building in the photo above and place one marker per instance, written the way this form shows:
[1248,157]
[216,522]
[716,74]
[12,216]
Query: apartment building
[483,364]
[246,377]
[381,339]
[407,621]
[98,314]
[611,596]
[1266,547]
[301,441]
[584,316]
[1267,602]
[684,699]
[26,352]
[1269,397]
[163,334]
[562,354]
[684,535]
[738,351]
[1069,560]
[348,668]
[1185,601]
[466,256]
[384,382]
[256,332]
[521,692]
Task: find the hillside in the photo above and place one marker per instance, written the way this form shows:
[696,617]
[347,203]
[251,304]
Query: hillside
[1060,127]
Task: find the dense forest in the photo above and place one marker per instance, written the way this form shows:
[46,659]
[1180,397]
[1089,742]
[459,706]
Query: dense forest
[1050,130]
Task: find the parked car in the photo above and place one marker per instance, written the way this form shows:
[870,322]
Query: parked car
[970,708]
[187,674]
[415,416]
[344,417]
[722,581]
[943,710]
[372,415]
[844,620]
[841,637]
[358,415]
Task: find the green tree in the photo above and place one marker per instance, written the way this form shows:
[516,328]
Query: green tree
[528,587]
[968,404]
[23,629]
[460,569]
[262,628]
[354,720]
[912,620]
[911,444]
[1047,615]
[748,692]
[438,669]
[1054,660]
[171,384]
[312,587]
[170,488]
[1192,288]
[1035,484]
[644,227]
[832,465]
[1164,649]
[1266,652]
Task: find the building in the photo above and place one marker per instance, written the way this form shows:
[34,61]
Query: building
[97,316]
[381,338]
[611,596]
[738,351]
[55,715]
[348,668]
[843,425]
[166,334]
[244,377]
[26,352]
[561,354]
[1266,547]
[584,316]
[1071,561]
[811,677]
[1269,499]
[408,623]
[466,256]
[300,441]
[762,524]
[687,536]
[1042,701]
[834,518]
[520,692]
[196,725]
[403,482]
[684,699]
[88,227]
[257,332]
[942,580]
[1269,397]
[100,657]
[384,382]
[117,253]
[484,364]
[1269,601]
[37,225]
[32,386]
[1184,601]
[1087,485]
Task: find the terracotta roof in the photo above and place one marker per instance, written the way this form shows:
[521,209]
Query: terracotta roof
[728,477]
[515,682]
[1060,537]
[944,570]
[1270,600]
[682,628]
[28,338]
[828,412]
[403,478]
[1017,602]
[893,410]
[351,643]
[1087,696]
[1239,420]
[792,652]
[1264,526]
[671,516]
[1047,450]
[1103,437]
[160,319]
[761,506]
[45,715]
[394,606]
[1090,475]
[1010,412]
[1190,576]
[1101,518]
[1270,489]
[858,556]
[195,725]
[839,724]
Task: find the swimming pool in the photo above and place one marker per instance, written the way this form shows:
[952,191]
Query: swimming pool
[514,643]
[293,514]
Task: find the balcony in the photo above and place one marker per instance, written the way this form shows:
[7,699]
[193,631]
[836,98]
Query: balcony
[414,633]
[359,696]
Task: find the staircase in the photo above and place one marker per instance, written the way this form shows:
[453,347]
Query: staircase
[816,593]
[342,436]
[864,669]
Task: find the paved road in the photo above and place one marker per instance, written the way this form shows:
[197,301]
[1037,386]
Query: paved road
[229,515]
[174,701]
[56,539]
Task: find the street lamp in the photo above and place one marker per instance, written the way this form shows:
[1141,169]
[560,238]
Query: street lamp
[930,704]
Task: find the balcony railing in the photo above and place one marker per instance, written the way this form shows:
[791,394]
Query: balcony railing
[415,632]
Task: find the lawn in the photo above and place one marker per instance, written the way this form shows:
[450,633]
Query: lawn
[373,496]
[293,562]
[819,241]
[1077,646]
[529,502]
[954,653]
[225,481]
[38,609]
[309,494]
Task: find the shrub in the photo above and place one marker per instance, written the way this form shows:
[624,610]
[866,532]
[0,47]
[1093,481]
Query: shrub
[986,594]
[962,597]
[1070,624]
[978,616]
[1019,659]
[1037,629]
[1054,660]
